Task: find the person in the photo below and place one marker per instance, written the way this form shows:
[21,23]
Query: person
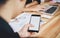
[9,8]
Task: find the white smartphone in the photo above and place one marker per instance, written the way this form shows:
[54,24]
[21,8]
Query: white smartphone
[35,20]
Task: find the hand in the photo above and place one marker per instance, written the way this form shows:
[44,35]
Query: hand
[34,8]
[31,4]
[24,31]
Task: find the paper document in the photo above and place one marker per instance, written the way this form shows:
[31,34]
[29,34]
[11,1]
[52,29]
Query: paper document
[20,21]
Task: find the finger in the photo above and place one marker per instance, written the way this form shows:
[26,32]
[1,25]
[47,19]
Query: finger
[25,27]
[28,25]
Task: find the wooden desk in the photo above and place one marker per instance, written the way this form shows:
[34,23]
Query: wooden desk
[52,28]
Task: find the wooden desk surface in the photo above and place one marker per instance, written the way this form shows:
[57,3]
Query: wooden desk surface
[52,28]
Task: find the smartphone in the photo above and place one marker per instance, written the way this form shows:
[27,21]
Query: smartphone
[35,21]
[52,10]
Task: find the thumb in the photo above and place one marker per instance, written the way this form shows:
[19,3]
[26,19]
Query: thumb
[27,25]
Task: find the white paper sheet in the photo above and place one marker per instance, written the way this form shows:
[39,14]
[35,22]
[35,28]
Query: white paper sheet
[20,21]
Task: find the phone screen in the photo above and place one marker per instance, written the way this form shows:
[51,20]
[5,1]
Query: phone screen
[35,20]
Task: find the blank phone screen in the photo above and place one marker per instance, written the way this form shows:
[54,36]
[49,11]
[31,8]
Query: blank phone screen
[35,20]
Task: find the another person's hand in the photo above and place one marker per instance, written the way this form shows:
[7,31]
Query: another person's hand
[31,4]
